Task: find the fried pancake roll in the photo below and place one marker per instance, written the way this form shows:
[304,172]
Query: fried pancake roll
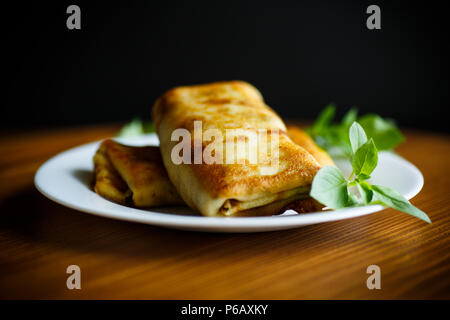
[214,181]
[141,170]
[109,184]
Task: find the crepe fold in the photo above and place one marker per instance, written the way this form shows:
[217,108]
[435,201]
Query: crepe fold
[125,174]
[108,182]
[225,188]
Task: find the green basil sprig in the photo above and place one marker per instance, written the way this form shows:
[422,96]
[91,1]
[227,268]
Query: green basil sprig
[334,137]
[330,187]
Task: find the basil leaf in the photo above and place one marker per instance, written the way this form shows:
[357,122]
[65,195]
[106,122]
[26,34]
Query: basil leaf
[365,191]
[323,120]
[135,128]
[357,136]
[349,117]
[329,187]
[148,127]
[391,198]
[352,200]
[365,160]
[342,129]
[385,134]
[363,176]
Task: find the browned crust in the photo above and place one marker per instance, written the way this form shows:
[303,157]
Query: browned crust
[236,179]
[142,172]
[301,138]
[108,182]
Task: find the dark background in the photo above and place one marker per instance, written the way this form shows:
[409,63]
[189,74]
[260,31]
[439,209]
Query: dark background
[300,54]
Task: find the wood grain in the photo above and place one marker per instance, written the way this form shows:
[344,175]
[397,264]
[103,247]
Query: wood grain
[121,260]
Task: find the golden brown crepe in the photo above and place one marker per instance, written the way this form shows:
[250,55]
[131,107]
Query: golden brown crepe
[301,138]
[108,182]
[140,171]
[227,189]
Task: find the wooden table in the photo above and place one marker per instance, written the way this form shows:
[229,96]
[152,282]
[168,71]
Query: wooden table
[39,239]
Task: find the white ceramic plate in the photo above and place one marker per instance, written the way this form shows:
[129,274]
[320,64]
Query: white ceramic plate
[66,178]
